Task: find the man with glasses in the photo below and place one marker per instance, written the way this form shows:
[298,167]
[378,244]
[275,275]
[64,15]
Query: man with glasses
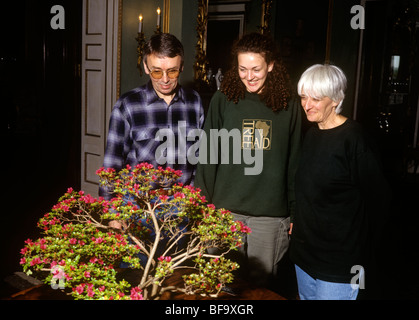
[162,103]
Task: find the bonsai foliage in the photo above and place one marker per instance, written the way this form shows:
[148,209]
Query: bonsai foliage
[151,224]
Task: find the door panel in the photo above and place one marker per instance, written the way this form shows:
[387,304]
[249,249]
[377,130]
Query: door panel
[100,87]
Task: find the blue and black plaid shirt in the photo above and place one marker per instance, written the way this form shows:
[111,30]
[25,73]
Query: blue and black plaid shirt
[142,125]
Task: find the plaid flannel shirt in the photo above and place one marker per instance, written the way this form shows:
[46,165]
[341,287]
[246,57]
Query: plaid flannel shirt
[136,124]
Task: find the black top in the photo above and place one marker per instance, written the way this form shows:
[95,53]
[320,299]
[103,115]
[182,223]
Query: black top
[340,195]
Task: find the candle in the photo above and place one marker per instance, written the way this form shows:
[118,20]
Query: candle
[158,17]
[140,27]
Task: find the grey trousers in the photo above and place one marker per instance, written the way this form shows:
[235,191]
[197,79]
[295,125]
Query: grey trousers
[263,248]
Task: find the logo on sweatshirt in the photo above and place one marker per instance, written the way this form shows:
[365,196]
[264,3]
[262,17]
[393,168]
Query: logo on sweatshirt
[256,134]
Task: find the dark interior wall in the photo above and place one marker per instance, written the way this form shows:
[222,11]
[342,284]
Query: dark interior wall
[344,47]
[300,29]
[40,89]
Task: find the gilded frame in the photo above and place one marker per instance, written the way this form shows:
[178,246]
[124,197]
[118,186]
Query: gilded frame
[201,61]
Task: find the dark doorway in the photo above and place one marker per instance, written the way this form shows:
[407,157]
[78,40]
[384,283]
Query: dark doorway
[221,36]
[40,89]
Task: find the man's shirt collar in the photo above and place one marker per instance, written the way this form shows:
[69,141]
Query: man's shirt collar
[152,96]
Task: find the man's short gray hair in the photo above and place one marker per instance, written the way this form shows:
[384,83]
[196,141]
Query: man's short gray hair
[320,81]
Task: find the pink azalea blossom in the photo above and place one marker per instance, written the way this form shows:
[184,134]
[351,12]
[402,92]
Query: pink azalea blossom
[180,195]
[163,198]
[80,289]
[35,261]
[136,294]
[99,240]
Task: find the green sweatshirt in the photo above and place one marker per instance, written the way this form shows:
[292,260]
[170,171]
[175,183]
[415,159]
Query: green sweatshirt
[270,192]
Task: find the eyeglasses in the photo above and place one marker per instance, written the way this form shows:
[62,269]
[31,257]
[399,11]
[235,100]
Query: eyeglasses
[158,74]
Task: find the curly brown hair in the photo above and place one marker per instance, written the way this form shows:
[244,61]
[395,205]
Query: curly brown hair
[277,87]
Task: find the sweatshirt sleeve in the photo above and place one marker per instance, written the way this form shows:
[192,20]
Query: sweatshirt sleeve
[295,137]
[206,170]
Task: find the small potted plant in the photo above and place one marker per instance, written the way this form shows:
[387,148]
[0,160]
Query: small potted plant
[157,227]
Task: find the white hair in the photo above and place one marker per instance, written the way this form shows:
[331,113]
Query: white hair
[321,81]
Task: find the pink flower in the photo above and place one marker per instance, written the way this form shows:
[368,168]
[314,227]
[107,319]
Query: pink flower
[99,240]
[135,294]
[90,292]
[58,273]
[167,259]
[163,197]
[72,241]
[22,261]
[35,261]
[180,195]
[87,274]
[211,206]
[80,289]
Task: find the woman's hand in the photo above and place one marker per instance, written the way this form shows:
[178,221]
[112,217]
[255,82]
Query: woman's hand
[290,230]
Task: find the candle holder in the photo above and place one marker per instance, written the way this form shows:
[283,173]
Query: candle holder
[140,50]
[141,38]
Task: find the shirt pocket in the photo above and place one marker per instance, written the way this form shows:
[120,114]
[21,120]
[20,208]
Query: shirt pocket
[144,144]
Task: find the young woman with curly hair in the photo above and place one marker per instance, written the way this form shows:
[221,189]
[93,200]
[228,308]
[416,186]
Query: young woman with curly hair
[274,90]
[254,113]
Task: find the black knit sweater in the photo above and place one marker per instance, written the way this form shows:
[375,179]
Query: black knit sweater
[340,195]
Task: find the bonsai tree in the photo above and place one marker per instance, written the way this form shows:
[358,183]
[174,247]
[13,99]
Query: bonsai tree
[157,227]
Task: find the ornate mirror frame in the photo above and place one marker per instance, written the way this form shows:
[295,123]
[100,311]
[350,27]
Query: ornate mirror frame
[201,60]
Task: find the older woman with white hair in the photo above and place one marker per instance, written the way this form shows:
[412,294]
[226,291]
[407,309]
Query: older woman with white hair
[339,193]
